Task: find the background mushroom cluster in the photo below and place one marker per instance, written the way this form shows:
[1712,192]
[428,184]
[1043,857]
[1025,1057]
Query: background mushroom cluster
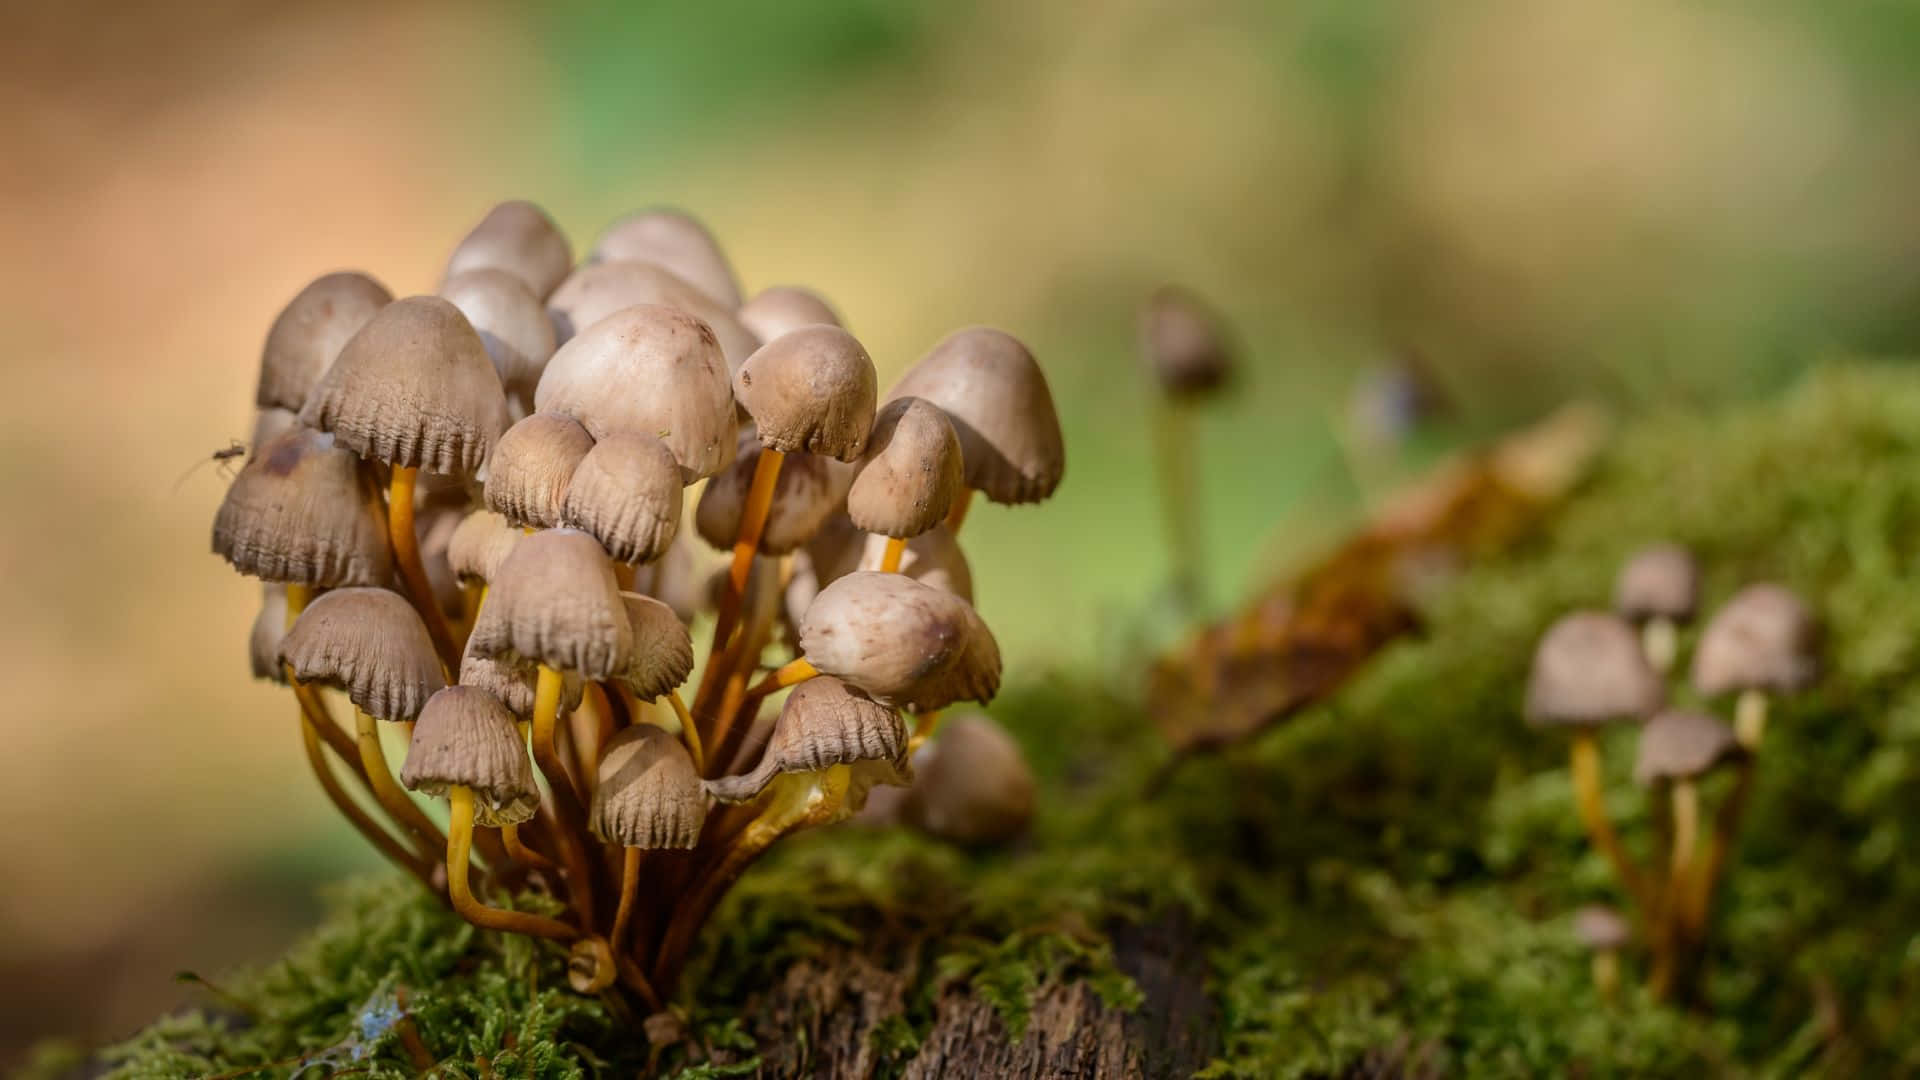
[466,510]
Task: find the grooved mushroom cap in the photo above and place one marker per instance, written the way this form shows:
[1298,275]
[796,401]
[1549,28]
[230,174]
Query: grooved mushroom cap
[480,544]
[464,737]
[309,333]
[413,387]
[519,238]
[1660,581]
[971,784]
[994,393]
[1680,744]
[1763,639]
[662,655]
[782,308]
[627,494]
[301,510]
[532,465]
[1185,344]
[892,637]
[1601,928]
[512,682]
[269,626]
[555,602]
[597,290]
[911,471]
[648,370]
[649,795]
[806,491]
[370,643]
[824,723]
[677,242]
[512,324]
[1589,670]
[810,390]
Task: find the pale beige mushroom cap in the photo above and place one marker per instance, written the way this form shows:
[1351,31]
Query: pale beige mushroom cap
[1658,581]
[310,332]
[436,525]
[555,602]
[1680,744]
[997,399]
[823,723]
[1588,670]
[1765,638]
[911,471]
[805,493]
[467,738]
[479,544]
[676,241]
[627,493]
[1184,342]
[532,466]
[649,795]
[662,656]
[269,627]
[519,238]
[512,324]
[303,511]
[895,638]
[370,643]
[777,310]
[597,290]
[811,390]
[971,785]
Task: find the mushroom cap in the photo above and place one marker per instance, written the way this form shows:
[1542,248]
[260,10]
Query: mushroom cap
[531,466]
[309,332]
[676,578]
[302,511]
[1186,345]
[555,602]
[436,525]
[805,493]
[627,493]
[823,723]
[781,308]
[649,795]
[269,627]
[414,387]
[1599,927]
[512,682]
[268,424]
[997,399]
[1660,581]
[974,676]
[465,737]
[648,370]
[1765,638]
[676,241]
[512,324]
[662,656]
[597,290]
[812,390]
[971,784]
[887,634]
[480,544]
[519,238]
[911,471]
[370,643]
[1680,744]
[1589,670]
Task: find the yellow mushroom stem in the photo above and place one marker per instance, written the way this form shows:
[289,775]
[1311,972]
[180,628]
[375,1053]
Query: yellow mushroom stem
[459,854]
[362,822]
[1660,640]
[519,852]
[753,519]
[924,726]
[1606,973]
[392,796]
[629,892]
[1686,831]
[569,818]
[689,732]
[1178,502]
[1750,719]
[1698,900]
[792,673]
[957,513]
[413,572]
[896,550]
[1593,813]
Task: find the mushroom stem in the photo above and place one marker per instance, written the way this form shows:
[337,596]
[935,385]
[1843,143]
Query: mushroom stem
[689,732]
[1660,640]
[569,819]
[957,514]
[460,854]
[1750,719]
[413,572]
[741,661]
[791,673]
[1606,973]
[896,550]
[1698,900]
[382,840]
[1686,832]
[1178,503]
[924,726]
[1593,813]
[629,892]
[392,796]
[519,852]
[753,519]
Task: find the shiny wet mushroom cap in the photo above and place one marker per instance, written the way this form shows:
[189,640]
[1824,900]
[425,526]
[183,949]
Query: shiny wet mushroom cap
[810,390]
[1658,581]
[480,543]
[310,332]
[807,490]
[519,238]
[971,785]
[303,511]
[555,602]
[627,493]
[823,723]
[911,471]
[370,643]
[887,634]
[1185,344]
[1764,638]
[649,794]
[994,393]
[468,739]
[677,242]
[662,656]
[774,311]
[512,324]
[597,290]
[1680,744]
[531,467]
[1588,670]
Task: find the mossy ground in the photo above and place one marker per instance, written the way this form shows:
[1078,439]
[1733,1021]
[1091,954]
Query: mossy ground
[1386,877]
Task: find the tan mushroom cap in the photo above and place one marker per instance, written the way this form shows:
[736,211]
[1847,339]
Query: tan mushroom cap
[597,290]
[269,424]
[911,472]
[269,627]
[1589,670]
[436,525]
[414,387]
[512,324]
[824,723]
[1765,638]
[480,544]
[810,390]
[1659,581]
[676,241]
[891,636]
[1601,928]
[777,310]
[1184,342]
[1680,744]
[662,656]
[555,602]
[519,238]
[303,511]
[532,466]
[805,493]
[370,643]
[971,785]
[648,370]
[512,682]
[627,493]
[467,738]
[974,676]
[997,399]
[676,578]
[310,332]
[649,795]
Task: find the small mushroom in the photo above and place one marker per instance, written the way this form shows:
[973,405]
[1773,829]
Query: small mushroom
[662,656]
[512,324]
[972,785]
[1658,590]
[519,238]
[909,476]
[310,332]
[478,546]
[805,492]
[627,494]
[531,467]
[1678,746]
[1604,932]
[676,241]
[1188,352]
[302,512]
[824,723]
[600,289]
[649,796]
[1762,641]
[555,602]
[1185,343]
[774,311]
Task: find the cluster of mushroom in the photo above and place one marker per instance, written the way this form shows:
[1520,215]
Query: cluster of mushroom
[1595,668]
[465,509]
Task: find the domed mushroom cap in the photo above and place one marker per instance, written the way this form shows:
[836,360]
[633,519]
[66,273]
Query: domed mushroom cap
[806,491]
[519,238]
[1680,744]
[911,471]
[531,466]
[309,333]
[974,676]
[627,494]
[466,738]
[782,308]
[677,242]
[1660,581]
[480,544]
[597,290]
[302,511]
[887,634]
[649,794]
[824,723]
[1765,638]
[1185,343]
[997,399]
[512,324]
[662,656]
[414,387]
[1589,670]
[647,370]
[370,643]
[512,682]
[555,602]
[1598,927]
[810,390]
[971,785]
[269,627]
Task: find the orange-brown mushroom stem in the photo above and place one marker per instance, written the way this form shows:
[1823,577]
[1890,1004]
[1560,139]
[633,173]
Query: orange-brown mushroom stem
[519,852]
[460,890]
[570,819]
[373,759]
[689,732]
[896,550]
[1593,813]
[629,893]
[413,572]
[363,823]
[753,520]
[792,673]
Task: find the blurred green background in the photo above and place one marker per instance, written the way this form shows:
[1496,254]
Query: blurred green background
[1663,205]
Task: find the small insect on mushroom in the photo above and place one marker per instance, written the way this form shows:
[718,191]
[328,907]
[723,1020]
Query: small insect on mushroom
[222,460]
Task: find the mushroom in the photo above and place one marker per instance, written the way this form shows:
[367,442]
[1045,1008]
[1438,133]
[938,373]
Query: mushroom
[648,798]
[269,626]
[309,333]
[597,290]
[1604,932]
[627,494]
[531,467]
[1762,641]
[1658,590]
[674,241]
[824,723]
[774,311]
[971,787]
[1187,351]
[512,324]
[478,546]
[909,476]
[805,494]
[1678,746]
[519,238]
[302,513]
[662,659]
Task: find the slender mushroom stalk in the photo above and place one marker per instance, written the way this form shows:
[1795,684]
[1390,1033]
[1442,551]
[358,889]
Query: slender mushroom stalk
[689,731]
[1603,932]
[1185,346]
[1677,748]
[649,798]
[382,841]
[460,889]
[1686,830]
[1750,717]
[1658,589]
[413,572]
[1587,788]
[766,474]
